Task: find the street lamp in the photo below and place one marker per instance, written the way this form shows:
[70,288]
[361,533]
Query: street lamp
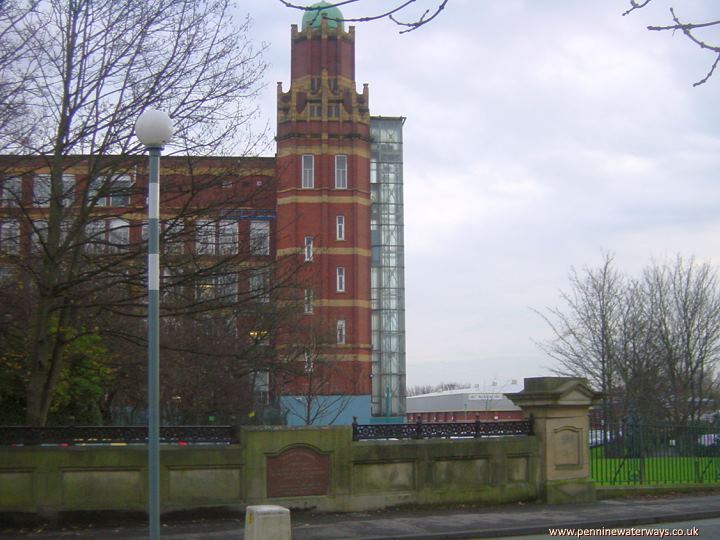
[154,129]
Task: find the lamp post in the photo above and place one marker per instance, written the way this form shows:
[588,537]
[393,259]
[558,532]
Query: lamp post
[154,129]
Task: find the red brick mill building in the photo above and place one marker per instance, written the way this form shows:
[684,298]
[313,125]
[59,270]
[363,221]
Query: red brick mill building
[329,202]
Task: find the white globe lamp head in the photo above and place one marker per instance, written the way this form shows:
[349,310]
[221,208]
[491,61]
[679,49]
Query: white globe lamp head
[154,128]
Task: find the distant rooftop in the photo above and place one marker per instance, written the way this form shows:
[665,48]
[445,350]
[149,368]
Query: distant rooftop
[463,399]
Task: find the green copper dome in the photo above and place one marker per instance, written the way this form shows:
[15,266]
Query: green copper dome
[313,17]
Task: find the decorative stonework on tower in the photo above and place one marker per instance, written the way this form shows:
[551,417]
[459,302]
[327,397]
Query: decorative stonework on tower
[323,204]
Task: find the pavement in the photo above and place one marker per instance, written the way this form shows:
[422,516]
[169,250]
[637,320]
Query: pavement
[419,523]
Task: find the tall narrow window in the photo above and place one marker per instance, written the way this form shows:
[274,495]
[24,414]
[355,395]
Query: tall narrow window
[340,273]
[95,237]
[227,237]
[261,386]
[205,289]
[11,191]
[65,226]
[68,189]
[341,331]
[340,227]
[308,171]
[308,248]
[204,237]
[41,190]
[171,277]
[96,191]
[260,237]
[9,236]
[118,234]
[226,287]
[172,241]
[39,234]
[259,285]
[309,301]
[341,172]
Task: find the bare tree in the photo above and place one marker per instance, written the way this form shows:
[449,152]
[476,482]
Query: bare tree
[687,333]
[651,344]
[691,30]
[403,13]
[84,71]
[308,373]
[12,80]
[313,403]
[641,385]
[586,330]
[219,344]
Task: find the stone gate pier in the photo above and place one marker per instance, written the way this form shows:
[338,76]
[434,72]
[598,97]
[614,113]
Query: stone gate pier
[560,409]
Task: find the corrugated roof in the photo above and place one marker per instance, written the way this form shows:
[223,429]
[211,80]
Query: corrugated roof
[460,400]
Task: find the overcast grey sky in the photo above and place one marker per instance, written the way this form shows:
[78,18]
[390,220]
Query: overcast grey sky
[538,133]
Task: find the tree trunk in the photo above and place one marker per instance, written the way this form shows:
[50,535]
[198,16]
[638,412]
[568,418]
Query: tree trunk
[36,411]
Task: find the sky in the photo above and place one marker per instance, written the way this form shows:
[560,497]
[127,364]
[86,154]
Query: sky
[539,135]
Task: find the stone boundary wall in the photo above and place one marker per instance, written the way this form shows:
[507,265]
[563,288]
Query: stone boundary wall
[320,468]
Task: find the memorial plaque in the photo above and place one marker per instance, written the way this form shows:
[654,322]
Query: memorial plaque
[297,472]
[568,451]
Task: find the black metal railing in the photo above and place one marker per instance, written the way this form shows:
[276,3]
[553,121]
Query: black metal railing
[638,454]
[437,430]
[107,435]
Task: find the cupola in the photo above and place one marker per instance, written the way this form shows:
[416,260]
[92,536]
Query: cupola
[322,10]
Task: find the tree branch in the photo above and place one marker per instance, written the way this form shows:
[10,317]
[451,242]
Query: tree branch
[687,28]
[390,14]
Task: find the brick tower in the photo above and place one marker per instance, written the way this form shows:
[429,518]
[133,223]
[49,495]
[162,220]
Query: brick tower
[323,212]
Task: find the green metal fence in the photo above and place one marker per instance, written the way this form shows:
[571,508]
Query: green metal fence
[635,454]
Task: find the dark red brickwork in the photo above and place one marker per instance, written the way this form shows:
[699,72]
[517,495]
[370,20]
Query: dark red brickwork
[297,472]
[313,53]
[322,74]
[337,377]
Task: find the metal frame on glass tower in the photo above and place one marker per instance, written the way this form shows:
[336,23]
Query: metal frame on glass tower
[387,271]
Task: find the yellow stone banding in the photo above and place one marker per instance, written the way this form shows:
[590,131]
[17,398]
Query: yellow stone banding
[295,150]
[343,303]
[362,252]
[361,357]
[323,199]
